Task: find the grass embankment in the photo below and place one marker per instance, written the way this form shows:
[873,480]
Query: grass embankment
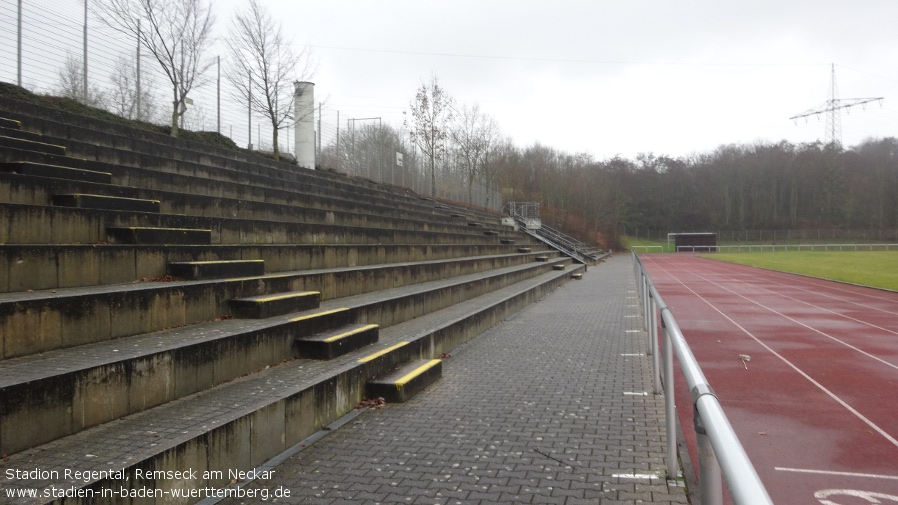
[868,268]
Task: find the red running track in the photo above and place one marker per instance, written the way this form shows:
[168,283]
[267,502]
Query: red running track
[816,407]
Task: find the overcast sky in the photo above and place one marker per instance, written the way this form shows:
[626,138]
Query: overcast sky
[671,77]
[609,77]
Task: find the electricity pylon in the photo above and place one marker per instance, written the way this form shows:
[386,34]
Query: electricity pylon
[833,110]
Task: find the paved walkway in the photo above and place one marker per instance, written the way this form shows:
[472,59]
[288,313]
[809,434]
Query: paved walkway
[547,407]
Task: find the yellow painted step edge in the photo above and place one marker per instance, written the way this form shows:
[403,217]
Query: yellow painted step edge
[414,373]
[349,333]
[381,353]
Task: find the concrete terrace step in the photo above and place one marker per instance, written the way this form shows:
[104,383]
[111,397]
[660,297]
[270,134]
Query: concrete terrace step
[216,269]
[48,396]
[202,157]
[121,161]
[234,216]
[337,342]
[56,171]
[197,196]
[102,381]
[104,202]
[265,306]
[404,383]
[40,321]
[151,235]
[241,424]
[34,267]
[31,145]
[10,123]
[87,225]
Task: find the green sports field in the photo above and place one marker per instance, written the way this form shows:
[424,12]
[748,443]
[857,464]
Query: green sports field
[876,268]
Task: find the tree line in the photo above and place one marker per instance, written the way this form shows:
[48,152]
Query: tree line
[762,186]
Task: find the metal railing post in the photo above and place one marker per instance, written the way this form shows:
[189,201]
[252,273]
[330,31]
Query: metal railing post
[670,409]
[645,301]
[709,476]
[653,346]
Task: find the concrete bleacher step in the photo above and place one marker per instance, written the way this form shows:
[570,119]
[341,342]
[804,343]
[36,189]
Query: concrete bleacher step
[217,269]
[56,172]
[151,306]
[337,342]
[242,423]
[103,202]
[405,382]
[31,145]
[47,396]
[265,306]
[117,377]
[10,123]
[153,235]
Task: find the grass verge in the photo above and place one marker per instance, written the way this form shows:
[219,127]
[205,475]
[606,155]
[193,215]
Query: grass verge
[868,268]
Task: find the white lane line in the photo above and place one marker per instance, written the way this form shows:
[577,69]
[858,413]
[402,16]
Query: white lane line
[843,474]
[815,330]
[791,365]
[634,331]
[632,354]
[635,393]
[760,281]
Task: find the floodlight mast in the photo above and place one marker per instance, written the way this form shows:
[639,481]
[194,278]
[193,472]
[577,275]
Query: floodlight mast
[833,108]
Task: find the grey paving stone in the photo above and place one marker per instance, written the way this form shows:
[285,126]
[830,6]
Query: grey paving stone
[531,411]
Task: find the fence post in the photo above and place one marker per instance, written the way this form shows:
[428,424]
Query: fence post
[670,409]
[709,474]
[653,346]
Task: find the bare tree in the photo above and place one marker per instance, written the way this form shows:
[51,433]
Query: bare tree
[125,94]
[174,32]
[264,67]
[474,135]
[432,112]
[71,84]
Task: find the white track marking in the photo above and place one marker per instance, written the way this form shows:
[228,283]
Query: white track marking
[846,344]
[833,297]
[791,365]
[869,496]
[842,474]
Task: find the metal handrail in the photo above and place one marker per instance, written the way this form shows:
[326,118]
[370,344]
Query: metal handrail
[719,450]
[553,238]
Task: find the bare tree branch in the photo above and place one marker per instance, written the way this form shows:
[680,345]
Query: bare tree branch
[263,67]
[432,112]
[175,32]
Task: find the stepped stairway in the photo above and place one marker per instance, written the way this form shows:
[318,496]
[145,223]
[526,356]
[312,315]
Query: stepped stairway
[556,239]
[166,305]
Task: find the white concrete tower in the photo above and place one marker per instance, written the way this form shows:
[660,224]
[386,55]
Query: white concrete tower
[305,124]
